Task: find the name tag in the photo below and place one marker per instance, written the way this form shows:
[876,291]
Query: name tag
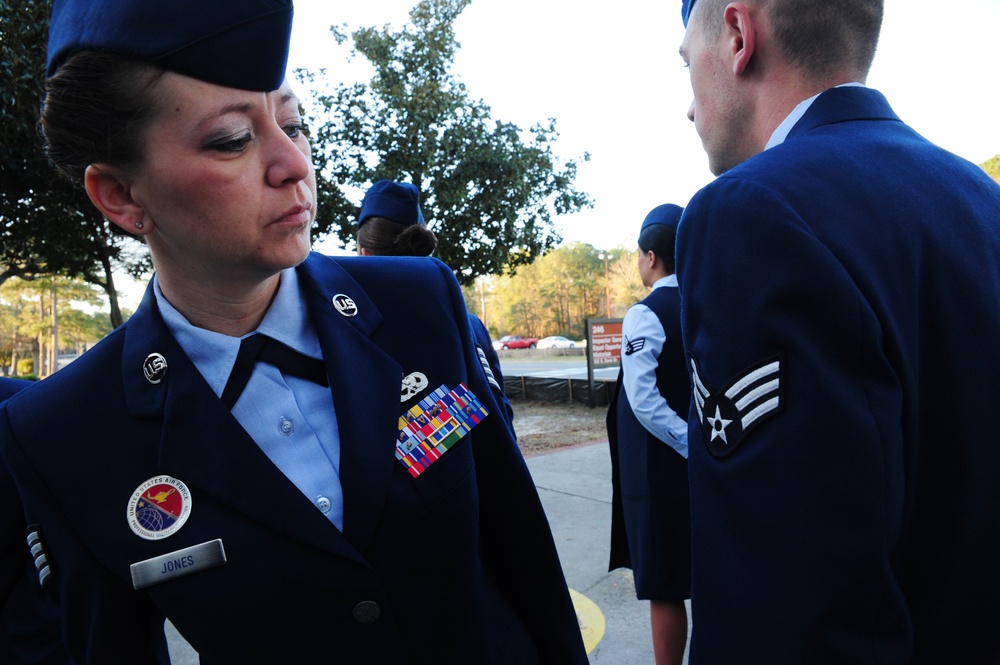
[177,564]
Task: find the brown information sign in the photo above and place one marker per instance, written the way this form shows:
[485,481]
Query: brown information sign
[604,347]
[604,341]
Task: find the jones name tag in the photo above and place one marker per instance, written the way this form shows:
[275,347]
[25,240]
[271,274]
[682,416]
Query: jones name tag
[176,564]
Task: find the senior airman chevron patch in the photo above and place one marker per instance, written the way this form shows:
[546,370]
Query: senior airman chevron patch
[727,417]
[633,345]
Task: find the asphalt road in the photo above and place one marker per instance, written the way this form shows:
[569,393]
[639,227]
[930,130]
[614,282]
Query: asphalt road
[553,367]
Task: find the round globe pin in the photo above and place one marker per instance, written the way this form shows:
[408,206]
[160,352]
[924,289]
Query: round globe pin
[159,507]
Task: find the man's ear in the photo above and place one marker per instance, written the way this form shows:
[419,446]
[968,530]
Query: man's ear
[111,193]
[742,35]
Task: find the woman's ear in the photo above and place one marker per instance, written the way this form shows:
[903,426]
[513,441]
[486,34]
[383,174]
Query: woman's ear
[111,193]
[652,259]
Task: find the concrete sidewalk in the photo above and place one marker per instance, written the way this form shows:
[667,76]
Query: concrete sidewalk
[575,487]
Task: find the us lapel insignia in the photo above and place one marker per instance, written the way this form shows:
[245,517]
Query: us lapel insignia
[728,416]
[158,508]
[433,426]
[154,367]
[345,305]
[413,383]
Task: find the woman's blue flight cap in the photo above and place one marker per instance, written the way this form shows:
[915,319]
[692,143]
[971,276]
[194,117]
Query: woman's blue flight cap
[233,43]
[667,214]
[395,201]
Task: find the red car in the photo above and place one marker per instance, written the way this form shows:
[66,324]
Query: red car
[515,342]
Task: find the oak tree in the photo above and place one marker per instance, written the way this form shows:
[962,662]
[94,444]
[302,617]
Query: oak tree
[488,189]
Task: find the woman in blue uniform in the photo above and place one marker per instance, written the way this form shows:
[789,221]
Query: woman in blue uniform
[232,457]
[391,223]
[647,432]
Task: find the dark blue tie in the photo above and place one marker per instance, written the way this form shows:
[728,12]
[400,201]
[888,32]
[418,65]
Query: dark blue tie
[258,347]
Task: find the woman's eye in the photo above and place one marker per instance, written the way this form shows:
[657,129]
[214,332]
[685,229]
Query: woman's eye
[295,129]
[237,144]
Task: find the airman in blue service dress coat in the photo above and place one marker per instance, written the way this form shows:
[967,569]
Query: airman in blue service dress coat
[841,309]
[456,565]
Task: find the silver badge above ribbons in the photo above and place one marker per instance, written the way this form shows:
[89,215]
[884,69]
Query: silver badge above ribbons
[413,383]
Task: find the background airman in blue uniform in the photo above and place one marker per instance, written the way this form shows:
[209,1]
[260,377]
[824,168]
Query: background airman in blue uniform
[651,514]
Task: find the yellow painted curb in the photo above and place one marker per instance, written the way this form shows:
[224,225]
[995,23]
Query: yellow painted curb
[590,618]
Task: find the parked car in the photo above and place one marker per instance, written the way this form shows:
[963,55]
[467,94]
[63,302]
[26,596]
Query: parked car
[556,342]
[515,342]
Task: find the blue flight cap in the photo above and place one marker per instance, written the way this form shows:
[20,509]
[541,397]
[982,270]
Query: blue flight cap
[686,6]
[233,43]
[395,201]
[667,214]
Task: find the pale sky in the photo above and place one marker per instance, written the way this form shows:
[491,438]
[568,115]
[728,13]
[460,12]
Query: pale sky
[610,74]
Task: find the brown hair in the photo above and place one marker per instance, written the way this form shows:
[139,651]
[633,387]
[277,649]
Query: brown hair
[97,107]
[384,237]
[821,38]
[660,239]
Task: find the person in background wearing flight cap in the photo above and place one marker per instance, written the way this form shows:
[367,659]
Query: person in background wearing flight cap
[840,282]
[29,622]
[647,434]
[391,223]
[230,459]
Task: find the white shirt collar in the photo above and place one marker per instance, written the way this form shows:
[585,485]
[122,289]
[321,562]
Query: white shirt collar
[669,280]
[781,132]
[215,353]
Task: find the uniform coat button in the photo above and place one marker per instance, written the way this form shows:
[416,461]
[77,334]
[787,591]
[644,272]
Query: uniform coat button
[367,611]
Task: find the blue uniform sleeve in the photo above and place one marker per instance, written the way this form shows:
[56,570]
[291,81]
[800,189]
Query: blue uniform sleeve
[139,637]
[491,365]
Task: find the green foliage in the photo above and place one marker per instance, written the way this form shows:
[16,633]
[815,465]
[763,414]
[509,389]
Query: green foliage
[992,167]
[488,190]
[556,294]
[26,319]
[47,225]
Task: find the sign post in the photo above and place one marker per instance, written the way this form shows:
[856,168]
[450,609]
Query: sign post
[604,347]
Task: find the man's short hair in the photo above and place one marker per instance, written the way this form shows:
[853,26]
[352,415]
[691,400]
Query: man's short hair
[822,38]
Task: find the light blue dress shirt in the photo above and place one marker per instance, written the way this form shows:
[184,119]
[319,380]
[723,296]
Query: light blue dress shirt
[780,132]
[291,419]
[639,375]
